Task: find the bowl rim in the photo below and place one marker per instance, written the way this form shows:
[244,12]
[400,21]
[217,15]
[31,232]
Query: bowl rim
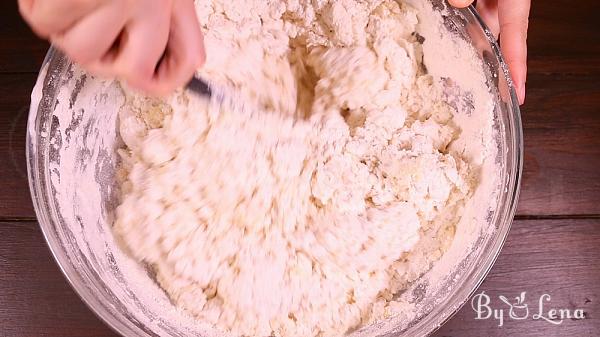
[38,185]
[514,184]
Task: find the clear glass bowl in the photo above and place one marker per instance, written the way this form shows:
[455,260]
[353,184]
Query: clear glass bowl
[67,156]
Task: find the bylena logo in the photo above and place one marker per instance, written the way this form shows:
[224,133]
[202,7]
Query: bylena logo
[518,309]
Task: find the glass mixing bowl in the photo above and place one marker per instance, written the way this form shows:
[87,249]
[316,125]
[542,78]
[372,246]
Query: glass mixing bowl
[72,163]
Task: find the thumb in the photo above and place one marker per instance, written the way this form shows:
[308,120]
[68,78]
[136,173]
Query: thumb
[513,18]
[460,3]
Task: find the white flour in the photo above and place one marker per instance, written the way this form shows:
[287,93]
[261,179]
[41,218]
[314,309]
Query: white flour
[370,170]
[337,192]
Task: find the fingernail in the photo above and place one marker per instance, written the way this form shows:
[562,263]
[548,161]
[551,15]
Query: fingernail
[521,93]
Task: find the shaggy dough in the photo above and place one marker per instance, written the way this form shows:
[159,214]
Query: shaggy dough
[303,215]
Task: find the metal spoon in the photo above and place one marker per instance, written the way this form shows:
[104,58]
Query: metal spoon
[199,86]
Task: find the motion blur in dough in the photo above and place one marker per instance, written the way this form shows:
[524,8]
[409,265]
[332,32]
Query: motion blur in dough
[302,213]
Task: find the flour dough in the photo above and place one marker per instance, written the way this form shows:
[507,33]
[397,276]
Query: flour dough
[303,215]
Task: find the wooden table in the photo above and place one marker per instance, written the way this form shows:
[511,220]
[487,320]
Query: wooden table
[553,248]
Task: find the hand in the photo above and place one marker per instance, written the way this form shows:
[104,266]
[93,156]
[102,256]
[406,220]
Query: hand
[510,20]
[153,45]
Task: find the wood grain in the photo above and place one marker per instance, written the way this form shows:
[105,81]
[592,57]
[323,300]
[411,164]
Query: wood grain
[558,257]
[561,116]
[14,107]
[35,298]
[564,29]
[20,49]
[561,122]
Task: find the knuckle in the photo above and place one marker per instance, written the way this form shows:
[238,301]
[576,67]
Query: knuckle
[193,57]
[130,2]
[139,72]
[25,8]
[129,5]
[520,24]
[40,29]
[145,68]
[195,60]
[164,5]
[200,56]
[75,51]
[81,56]
[39,25]
[77,3]
[461,3]
[160,89]
[135,82]
[153,87]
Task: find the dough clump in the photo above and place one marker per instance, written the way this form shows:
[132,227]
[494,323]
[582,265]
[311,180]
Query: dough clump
[302,213]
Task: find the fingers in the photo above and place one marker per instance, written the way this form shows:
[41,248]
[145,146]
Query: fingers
[513,19]
[142,44]
[125,39]
[185,51]
[460,3]
[488,11]
[48,17]
[25,6]
[91,37]
[509,19]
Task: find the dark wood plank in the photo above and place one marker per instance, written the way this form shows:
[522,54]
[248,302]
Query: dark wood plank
[561,116]
[555,257]
[37,301]
[35,298]
[561,121]
[14,107]
[564,29]
[20,49]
